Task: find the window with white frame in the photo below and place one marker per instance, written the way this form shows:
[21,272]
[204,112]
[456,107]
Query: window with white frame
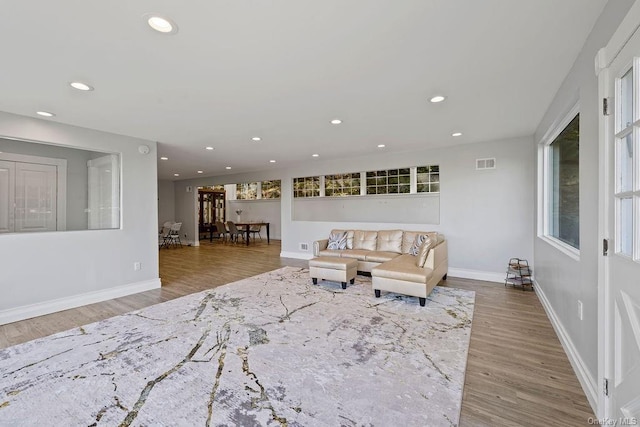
[562,183]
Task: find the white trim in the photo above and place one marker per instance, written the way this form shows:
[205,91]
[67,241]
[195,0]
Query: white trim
[568,250]
[587,381]
[66,303]
[622,35]
[296,255]
[487,276]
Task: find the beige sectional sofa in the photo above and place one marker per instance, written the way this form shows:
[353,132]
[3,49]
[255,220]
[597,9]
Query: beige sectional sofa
[385,254]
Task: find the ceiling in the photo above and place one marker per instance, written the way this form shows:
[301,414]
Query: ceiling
[281,70]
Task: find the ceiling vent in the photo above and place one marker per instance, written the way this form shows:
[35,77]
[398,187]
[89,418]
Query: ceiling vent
[482,164]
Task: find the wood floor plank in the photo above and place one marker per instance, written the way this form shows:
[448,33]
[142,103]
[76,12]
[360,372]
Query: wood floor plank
[517,372]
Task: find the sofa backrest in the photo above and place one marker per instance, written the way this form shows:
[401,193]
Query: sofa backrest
[410,236]
[365,239]
[389,241]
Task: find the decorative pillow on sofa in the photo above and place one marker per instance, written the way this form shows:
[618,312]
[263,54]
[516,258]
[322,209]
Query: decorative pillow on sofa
[338,241]
[415,248]
[425,247]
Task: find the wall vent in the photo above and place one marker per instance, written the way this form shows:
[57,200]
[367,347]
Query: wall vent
[304,246]
[486,163]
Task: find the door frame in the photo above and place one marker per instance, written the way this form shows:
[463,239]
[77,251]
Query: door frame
[61,175]
[603,60]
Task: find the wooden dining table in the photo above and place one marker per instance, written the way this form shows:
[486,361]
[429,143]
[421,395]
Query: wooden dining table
[246,226]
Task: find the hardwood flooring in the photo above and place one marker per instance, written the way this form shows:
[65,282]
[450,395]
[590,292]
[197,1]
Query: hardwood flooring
[517,372]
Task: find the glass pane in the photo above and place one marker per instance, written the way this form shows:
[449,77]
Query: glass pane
[404,171]
[625,230]
[435,188]
[626,100]
[423,169]
[405,188]
[564,215]
[625,163]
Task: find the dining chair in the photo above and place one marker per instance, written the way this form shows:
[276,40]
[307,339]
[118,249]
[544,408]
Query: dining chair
[255,229]
[163,234]
[234,232]
[221,231]
[174,234]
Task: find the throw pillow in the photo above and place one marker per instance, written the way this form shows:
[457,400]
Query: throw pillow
[337,241]
[426,246]
[415,248]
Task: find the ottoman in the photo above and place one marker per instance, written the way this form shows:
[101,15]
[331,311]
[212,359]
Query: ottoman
[336,269]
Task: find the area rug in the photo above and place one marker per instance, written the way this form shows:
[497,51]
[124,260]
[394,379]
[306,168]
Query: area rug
[271,350]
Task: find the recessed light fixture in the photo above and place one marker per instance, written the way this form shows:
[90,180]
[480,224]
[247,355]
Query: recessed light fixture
[45,114]
[456,134]
[256,138]
[336,121]
[208,148]
[176,174]
[80,86]
[228,167]
[437,98]
[272,161]
[315,155]
[381,145]
[161,24]
[164,158]
[200,172]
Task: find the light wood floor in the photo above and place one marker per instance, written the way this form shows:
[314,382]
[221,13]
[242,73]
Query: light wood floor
[517,372]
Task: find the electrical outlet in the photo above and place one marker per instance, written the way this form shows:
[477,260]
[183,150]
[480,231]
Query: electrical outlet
[580,311]
[137,266]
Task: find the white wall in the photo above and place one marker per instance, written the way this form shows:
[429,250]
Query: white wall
[166,202]
[561,279]
[486,215]
[56,270]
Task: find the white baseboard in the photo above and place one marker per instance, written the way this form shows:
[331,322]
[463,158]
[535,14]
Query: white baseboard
[487,276]
[587,381]
[297,255]
[47,307]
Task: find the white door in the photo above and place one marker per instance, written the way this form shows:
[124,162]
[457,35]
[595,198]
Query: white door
[104,194]
[36,197]
[622,194]
[7,198]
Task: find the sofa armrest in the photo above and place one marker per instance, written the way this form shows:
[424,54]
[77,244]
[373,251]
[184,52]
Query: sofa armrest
[320,245]
[437,255]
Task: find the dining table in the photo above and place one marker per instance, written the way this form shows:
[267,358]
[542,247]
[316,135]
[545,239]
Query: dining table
[246,227]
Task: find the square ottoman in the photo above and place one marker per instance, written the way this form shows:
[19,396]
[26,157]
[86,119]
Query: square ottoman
[336,269]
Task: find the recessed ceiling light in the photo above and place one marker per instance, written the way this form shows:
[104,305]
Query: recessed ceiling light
[164,158]
[80,86]
[456,134]
[315,155]
[336,121]
[272,161]
[381,145]
[176,174]
[200,172]
[208,148]
[256,138]
[228,167]
[161,25]
[45,114]
[437,98]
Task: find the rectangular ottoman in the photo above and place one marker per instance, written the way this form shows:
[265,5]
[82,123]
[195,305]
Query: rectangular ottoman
[336,269]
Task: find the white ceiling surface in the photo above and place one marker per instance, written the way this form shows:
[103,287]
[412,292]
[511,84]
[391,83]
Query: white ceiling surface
[282,69]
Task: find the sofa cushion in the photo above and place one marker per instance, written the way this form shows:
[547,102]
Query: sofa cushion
[365,239]
[402,267]
[349,237]
[337,241]
[389,241]
[424,249]
[359,254]
[408,237]
[380,256]
[330,252]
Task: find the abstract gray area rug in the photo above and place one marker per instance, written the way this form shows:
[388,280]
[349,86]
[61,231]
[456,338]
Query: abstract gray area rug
[271,350]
